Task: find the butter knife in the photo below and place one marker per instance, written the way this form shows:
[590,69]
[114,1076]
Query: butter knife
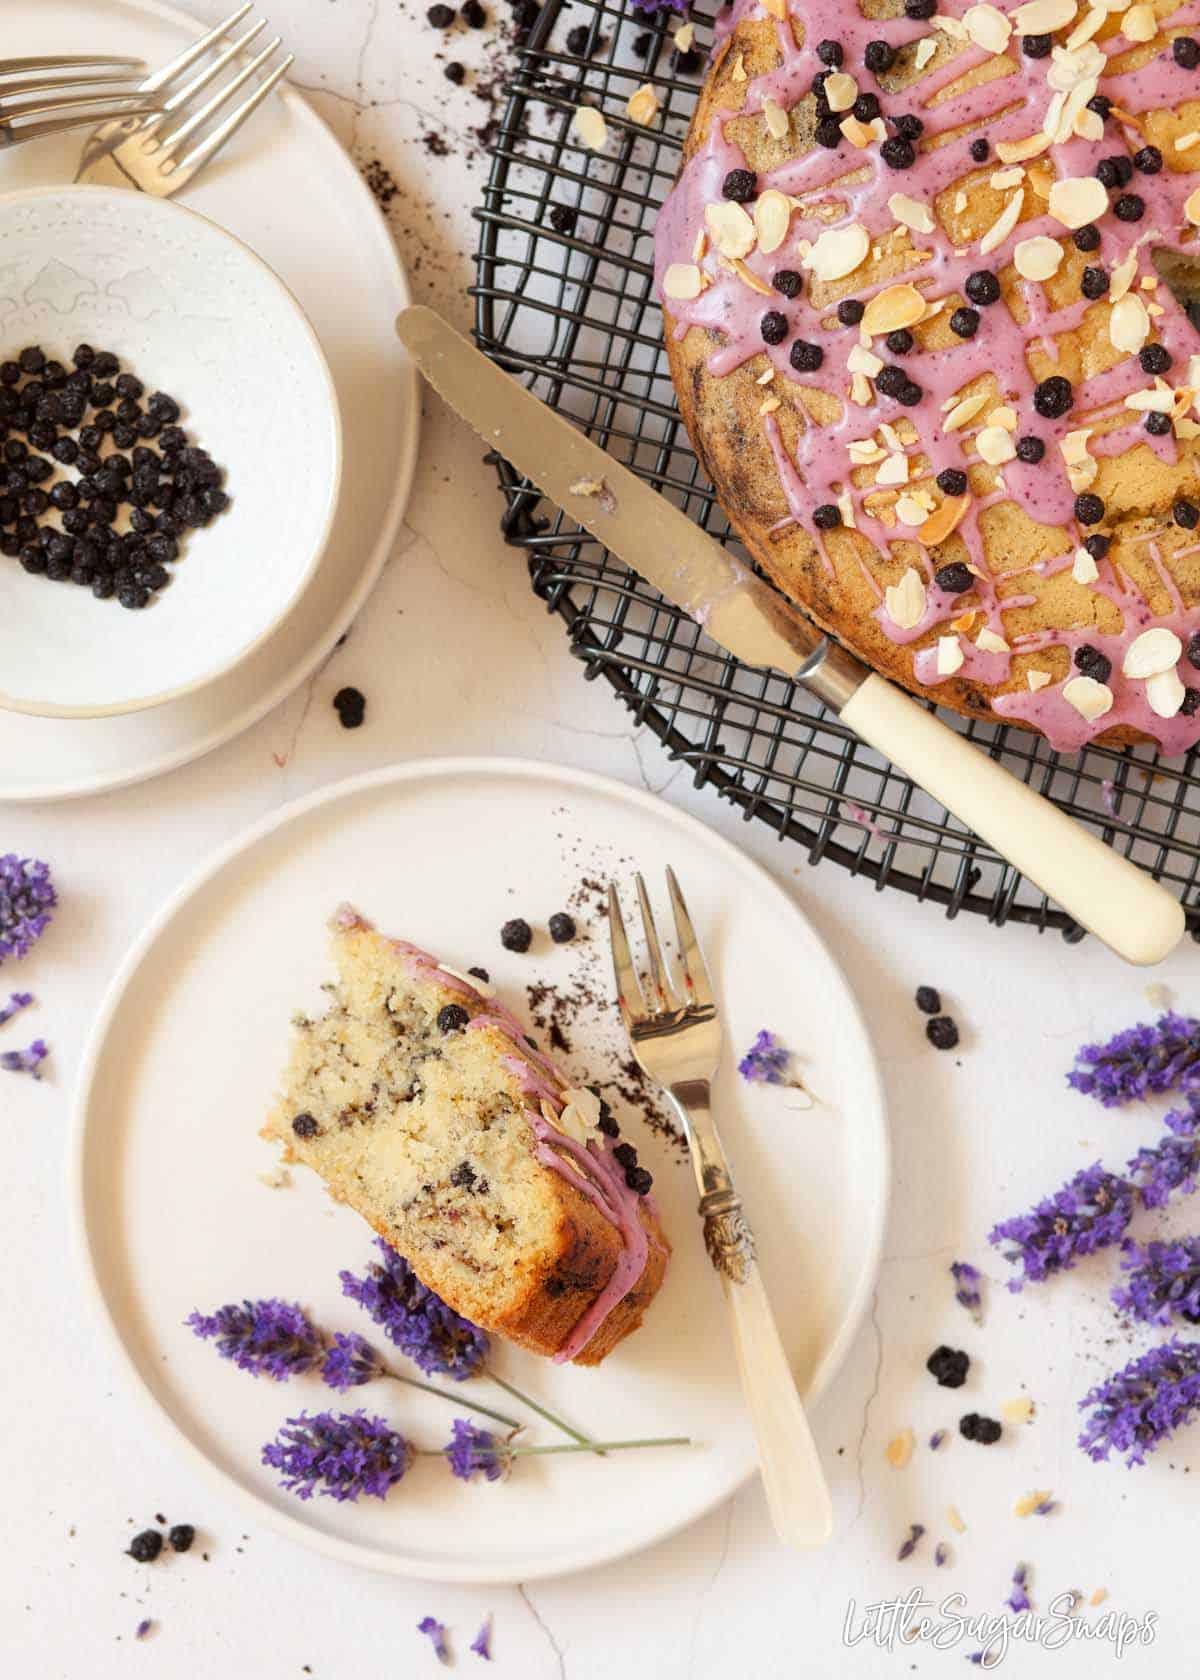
[1101,890]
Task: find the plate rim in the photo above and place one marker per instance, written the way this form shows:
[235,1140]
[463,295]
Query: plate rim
[433,769]
[88,786]
[52,709]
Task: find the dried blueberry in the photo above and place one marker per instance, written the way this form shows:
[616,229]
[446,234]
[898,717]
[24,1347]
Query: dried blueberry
[773,326]
[949,1366]
[965,322]
[941,1032]
[985,1430]
[639,1181]
[850,311]
[1154,358]
[1053,397]
[1186,514]
[1030,449]
[1186,52]
[827,517]
[562,927]
[980,149]
[145,1547]
[516,935]
[982,287]
[305,1125]
[350,706]
[181,1537]
[929,1000]
[1090,662]
[805,357]
[1094,283]
[879,57]
[788,281]
[951,481]
[452,1017]
[1089,509]
[741,185]
[955,578]
[831,53]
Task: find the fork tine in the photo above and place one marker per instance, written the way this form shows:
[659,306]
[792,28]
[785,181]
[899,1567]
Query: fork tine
[664,995]
[199,155]
[691,957]
[59,84]
[202,78]
[97,103]
[189,55]
[76,62]
[38,131]
[629,992]
[172,141]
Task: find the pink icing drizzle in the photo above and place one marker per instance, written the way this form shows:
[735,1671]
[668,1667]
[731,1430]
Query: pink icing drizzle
[1006,108]
[592,1170]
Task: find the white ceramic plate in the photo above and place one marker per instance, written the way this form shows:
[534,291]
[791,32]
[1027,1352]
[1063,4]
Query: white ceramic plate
[192,311]
[184,1059]
[288,190]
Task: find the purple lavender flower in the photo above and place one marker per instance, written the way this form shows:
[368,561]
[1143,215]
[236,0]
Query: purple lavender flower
[341,1454]
[967,1292]
[28,1060]
[1142,1405]
[14,1006]
[419,1322]
[349,1362]
[1163,1281]
[651,7]
[915,1531]
[472,1451]
[436,1631]
[27,897]
[143,1628]
[1141,1061]
[1184,1121]
[1089,1213]
[766,1062]
[268,1338]
[482,1642]
[1018,1598]
[1173,1164]
[936,1439]
[940,1553]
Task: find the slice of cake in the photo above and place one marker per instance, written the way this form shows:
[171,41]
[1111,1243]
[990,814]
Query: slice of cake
[422,1103]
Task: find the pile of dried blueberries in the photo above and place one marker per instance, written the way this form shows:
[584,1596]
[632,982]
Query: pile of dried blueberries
[98,421]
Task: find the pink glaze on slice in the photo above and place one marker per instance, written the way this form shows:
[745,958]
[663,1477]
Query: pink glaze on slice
[1010,107]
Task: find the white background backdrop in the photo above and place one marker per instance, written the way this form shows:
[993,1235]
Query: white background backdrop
[455,655]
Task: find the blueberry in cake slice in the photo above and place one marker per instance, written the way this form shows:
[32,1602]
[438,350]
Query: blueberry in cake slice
[421,1102]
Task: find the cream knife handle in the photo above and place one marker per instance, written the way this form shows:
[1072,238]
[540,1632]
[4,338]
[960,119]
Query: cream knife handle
[1103,891]
[794,1483]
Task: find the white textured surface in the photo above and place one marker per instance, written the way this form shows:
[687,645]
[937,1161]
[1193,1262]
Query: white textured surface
[456,656]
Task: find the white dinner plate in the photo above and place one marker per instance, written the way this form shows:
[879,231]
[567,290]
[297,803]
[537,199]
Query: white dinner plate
[190,1043]
[286,187]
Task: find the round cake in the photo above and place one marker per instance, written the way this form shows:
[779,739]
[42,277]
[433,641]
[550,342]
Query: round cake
[925,274]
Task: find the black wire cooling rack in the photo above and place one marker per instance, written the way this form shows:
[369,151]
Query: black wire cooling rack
[564,299]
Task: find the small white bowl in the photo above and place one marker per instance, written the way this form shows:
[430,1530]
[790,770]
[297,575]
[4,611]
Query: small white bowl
[191,311]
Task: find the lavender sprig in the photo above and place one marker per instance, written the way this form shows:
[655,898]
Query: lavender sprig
[482,1642]
[1163,1281]
[343,1456]
[27,897]
[14,1006]
[1018,1599]
[28,1060]
[1142,1061]
[1090,1212]
[436,1633]
[967,1291]
[915,1531]
[652,7]
[431,1333]
[767,1062]
[1172,1164]
[1141,1406]
[472,1452]
[1184,1121]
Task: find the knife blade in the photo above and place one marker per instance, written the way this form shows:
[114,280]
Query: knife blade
[1098,888]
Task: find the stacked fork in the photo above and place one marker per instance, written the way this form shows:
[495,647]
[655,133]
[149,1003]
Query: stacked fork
[42,96]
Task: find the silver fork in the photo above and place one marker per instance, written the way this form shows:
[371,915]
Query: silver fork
[36,99]
[676,1038]
[154,152]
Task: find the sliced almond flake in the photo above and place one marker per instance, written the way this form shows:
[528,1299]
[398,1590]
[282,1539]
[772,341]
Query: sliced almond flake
[1128,324]
[730,228]
[894,470]
[1020,151]
[1122,276]
[1165,693]
[954,27]
[1074,445]
[1089,24]
[776,118]
[1005,178]
[878,129]
[1098,1597]
[900,1449]
[738,73]
[1091,699]
[955,1521]
[964,410]
[860,390]
[1155,650]
[1003,416]
[911,212]
[890,435]
[987,27]
[1154,400]
[1029,1502]
[1083,476]
[701,245]
[865,452]
[859,134]
[275,1178]
[841,91]
[1083,568]
[1148,283]
[685,35]
[591,127]
[1191,208]
[1155,309]
[772,218]
[643,105]
[1038,679]
[748,277]
[1185,142]
[1038,258]
[765,377]
[1088,125]
[949,655]
[995,445]
[682,281]
[1043,17]
[838,252]
[989,642]
[1078,200]
[770,405]
[845,504]
[904,602]
[964,621]
[1068,69]
[943,520]
[1186,430]
[894,307]
[926,48]
[1139,24]
[911,509]
[960,203]
[861,359]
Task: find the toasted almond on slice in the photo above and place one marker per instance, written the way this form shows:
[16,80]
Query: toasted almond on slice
[1038,258]
[841,91]
[1003,416]
[1128,324]
[964,410]
[1005,222]
[1155,650]
[765,377]
[1155,399]
[1020,151]
[769,405]
[911,509]
[1074,445]
[989,642]
[904,602]
[926,48]
[1043,17]
[643,105]
[1185,142]
[591,127]
[865,452]
[900,1449]
[859,134]
[1165,693]
[1089,24]
[987,27]
[730,228]
[1005,178]
[943,520]
[1191,208]
[964,621]
[1078,200]
[995,445]
[1083,568]
[838,252]
[772,217]
[778,122]
[862,359]
[1088,125]
[949,655]
[894,307]
[1091,699]
[1038,679]
[748,277]
[682,281]
[893,471]
[1139,24]
[738,72]
[911,213]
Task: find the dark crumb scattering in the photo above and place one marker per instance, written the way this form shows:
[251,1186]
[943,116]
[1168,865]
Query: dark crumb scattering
[929,1000]
[304,1125]
[941,1032]
[516,935]
[145,1547]
[181,1537]
[382,183]
[985,1430]
[455,72]
[435,144]
[562,927]
[463,1176]
[949,1366]
[350,706]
